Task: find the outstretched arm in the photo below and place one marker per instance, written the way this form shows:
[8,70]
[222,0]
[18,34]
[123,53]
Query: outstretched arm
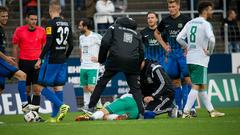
[159,38]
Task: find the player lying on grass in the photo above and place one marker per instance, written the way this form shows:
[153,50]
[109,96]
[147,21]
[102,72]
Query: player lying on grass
[123,108]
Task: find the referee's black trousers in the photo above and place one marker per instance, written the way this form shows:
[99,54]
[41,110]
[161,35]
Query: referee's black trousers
[132,83]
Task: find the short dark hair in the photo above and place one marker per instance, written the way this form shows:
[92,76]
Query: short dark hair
[173,1]
[31,12]
[152,12]
[204,5]
[3,9]
[87,22]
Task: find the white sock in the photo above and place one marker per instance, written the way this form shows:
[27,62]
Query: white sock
[192,96]
[24,103]
[112,116]
[98,115]
[203,95]
[99,103]
[86,98]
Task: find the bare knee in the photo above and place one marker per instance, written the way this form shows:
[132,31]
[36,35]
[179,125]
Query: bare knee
[20,75]
[58,88]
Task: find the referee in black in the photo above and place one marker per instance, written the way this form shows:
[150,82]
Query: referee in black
[122,51]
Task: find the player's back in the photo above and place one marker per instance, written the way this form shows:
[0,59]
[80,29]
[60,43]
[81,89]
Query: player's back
[60,33]
[198,32]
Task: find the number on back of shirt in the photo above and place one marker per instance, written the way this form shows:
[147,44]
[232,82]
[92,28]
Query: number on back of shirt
[63,35]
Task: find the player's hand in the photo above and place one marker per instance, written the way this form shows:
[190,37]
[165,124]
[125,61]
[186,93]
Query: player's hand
[206,51]
[148,99]
[11,60]
[94,59]
[185,51]
[38,64]
[166,60]
[167,48]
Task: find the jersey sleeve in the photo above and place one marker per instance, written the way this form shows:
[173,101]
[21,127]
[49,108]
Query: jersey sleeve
[98,39]
[181,37]
[15,38]
[49,35]
[80,39]
[43,37]
[209,30]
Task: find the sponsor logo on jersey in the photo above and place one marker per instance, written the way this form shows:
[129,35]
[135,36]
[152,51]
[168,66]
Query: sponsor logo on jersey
[180,25]
[49,30]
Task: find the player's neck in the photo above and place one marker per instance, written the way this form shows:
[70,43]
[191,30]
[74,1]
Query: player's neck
[203,16]
[1,25]
[176,15]
[88,32]
[54,14]
[152,27]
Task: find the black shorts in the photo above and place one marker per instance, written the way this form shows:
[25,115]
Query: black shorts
[27,66]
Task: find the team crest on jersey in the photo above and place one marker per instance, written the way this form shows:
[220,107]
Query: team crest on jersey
[180,25]
[49,30]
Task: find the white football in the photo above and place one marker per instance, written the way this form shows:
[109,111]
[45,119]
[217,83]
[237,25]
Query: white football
[31,116]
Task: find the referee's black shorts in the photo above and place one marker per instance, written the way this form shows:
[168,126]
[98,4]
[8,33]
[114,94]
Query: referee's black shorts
[27,66]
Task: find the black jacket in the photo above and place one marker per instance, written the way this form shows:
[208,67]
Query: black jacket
[121,47]
[154,81]
[233,30]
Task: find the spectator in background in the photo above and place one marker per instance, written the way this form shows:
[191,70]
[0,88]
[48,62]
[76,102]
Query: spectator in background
[120,5]
[90,9]
[62,3]
[233,31]
[29,5]
[80,4]
[104,6]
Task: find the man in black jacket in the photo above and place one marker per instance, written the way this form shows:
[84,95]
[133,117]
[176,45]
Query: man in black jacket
[233,31]
[157,90]
[122,51]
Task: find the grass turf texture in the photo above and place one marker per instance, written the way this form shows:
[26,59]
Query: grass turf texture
[202,125]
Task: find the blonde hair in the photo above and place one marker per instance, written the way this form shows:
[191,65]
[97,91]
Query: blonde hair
[55,5]
[173,1]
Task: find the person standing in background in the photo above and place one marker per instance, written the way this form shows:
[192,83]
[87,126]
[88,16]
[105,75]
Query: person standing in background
[233,31]
[175,66]
[28,41]
[152,48]
[53,71]
[104,21]
[199,46]
[7,66]
[89,44]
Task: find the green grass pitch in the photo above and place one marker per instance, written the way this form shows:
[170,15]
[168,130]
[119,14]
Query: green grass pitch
[202,125]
